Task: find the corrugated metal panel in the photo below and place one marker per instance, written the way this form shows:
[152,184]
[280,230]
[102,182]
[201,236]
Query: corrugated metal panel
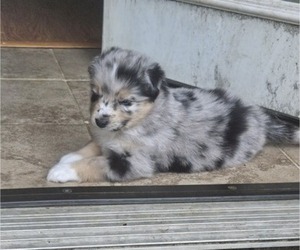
[207,225]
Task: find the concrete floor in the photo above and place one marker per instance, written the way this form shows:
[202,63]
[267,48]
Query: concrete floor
[44,97]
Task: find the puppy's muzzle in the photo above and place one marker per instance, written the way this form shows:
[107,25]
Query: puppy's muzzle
[102,122]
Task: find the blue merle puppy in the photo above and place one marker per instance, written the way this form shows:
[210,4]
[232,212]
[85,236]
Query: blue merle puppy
[140,126]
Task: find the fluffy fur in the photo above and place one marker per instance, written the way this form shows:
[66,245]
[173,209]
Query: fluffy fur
[140,126]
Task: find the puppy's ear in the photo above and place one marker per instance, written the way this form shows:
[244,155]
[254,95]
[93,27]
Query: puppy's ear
[157,77]
[92,70]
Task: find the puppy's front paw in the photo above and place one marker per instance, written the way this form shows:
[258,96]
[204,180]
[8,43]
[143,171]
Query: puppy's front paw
[62,172]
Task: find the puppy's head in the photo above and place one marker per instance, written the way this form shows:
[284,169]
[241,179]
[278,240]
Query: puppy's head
[124,86]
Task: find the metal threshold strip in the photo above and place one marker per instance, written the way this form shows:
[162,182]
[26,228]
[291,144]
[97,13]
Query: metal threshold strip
[70,196]
[152,217]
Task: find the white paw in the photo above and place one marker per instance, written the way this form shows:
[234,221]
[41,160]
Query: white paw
[62,172]
[72,157]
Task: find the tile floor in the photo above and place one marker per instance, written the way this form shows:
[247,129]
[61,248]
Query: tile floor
[44,113]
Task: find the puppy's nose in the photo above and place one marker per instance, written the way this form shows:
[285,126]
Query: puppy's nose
[102,122]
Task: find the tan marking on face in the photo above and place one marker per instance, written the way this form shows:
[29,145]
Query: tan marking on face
[142,112]
[123,94]
[118,115]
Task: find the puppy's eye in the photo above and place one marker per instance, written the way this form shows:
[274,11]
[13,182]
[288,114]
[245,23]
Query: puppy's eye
[125,102]
[95,96]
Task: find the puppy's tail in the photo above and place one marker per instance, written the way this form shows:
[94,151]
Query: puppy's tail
[280,130]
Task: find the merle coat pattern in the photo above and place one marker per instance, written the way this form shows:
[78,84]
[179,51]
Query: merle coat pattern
[141,126]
